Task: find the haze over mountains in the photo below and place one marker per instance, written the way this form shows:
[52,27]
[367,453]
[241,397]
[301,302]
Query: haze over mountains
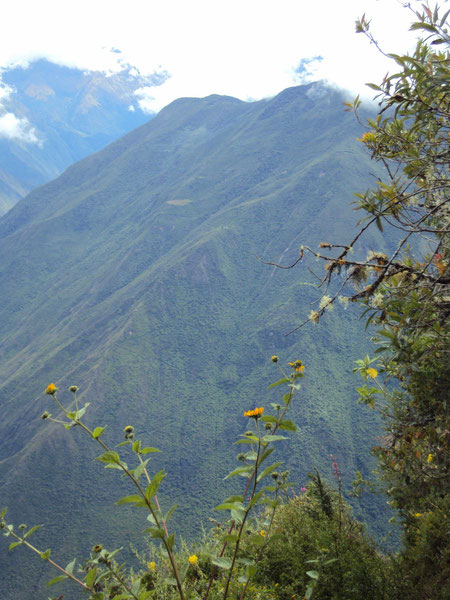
[134,275]
[61,116]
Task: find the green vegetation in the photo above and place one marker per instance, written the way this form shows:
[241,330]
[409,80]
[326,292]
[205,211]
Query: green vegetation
[311,546]
[164,315]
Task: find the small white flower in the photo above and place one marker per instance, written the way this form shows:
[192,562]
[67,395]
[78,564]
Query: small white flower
[325,302]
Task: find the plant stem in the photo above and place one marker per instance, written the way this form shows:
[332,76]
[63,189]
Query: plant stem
[34,549]
[150,507]
[255,481]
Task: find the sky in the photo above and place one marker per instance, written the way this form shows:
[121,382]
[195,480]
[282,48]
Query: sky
[250,49]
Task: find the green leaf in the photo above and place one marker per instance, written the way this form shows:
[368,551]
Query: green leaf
[13,545]
[287,425]
[251,455]
[149,449]
[238,515]
[247,440]
[97,432]
[233,499]
[295,386]
[170,541]
[129,499]
[70,567]
[152,488]
[273,438]
[170,512]
[230,506]
[279,382]
[256,539]
[139,470]
[255,498]
[136,447]
[230,537]
[32,530]
[269,419]
[56,579]
[268,470]
[267,452]
[313,574]
[220,561]
[109,457]
[44,555]
[170,581]
[90,577]
[156,532]
[240,471]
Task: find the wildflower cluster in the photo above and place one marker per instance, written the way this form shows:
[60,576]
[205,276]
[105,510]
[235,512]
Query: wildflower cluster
[298,366]
[255,413]
[104,578]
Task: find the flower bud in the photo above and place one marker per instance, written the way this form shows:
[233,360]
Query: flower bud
[51,389]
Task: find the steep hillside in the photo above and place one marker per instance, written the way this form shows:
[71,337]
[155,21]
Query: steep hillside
[67,114]
[134,275]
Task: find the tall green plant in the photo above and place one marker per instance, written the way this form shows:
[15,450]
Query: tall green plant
[406,290]
[102,577]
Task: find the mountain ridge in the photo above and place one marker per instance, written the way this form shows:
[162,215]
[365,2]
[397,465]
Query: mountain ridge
[134,275]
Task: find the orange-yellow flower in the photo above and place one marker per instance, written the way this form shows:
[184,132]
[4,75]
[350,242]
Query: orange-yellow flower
[430,458]
[371,372]
[151,565]
[193,559]
[255,413]
[51,389]
[367,136]
[297,365]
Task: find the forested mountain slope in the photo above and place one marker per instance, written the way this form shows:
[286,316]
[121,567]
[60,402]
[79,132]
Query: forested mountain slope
[134,276]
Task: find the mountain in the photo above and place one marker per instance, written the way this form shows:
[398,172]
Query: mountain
[134,275]
[65,114]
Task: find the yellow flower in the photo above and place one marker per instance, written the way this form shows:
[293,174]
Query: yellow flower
[193,559]
[255,413]
[128,429]
[367,136]
[262,532]
[297,365]
[372,373]
[274,358]
[418,515]
[151,565]
[51,389]
[97,548]
[430,458]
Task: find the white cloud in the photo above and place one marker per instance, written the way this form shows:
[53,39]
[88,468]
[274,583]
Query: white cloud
[12,127]
[247,49]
